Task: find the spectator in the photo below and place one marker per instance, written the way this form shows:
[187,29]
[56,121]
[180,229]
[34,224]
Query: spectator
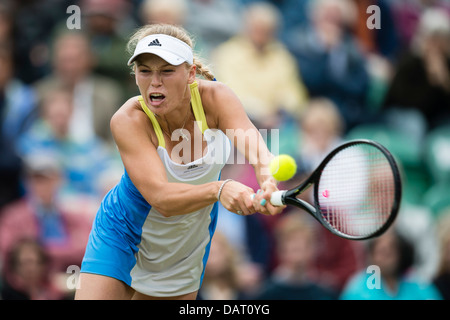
[291,280]
[164,11]
[107,24]
[17,100]
[382,42]
[331,64]
[34,22]
[28,276]
[422,77]
[96,98]
[220,280]
[442,279]
[38,216]
[213,21]
[82,162]
[393,255]
[407,16]
[321,128]
[17,113]
[260,69]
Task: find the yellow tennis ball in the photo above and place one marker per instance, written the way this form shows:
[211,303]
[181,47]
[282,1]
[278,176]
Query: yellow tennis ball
[283,167]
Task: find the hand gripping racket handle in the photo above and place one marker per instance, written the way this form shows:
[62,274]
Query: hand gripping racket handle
[277,198]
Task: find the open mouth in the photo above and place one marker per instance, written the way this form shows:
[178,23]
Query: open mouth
[157,97]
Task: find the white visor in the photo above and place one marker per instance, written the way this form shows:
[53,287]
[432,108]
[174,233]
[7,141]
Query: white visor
[170,49]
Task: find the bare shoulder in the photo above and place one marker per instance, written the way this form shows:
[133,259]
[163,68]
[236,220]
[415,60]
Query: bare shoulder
[130,111]
[129,120]
[212,91]
[218,100]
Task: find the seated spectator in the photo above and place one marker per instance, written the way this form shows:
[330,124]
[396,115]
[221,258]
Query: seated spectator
[17,100]
[330,62]
[220,280]
[291,279]
[213,22]
[407,16]
[107,25]
[384,41]
[260,69]
[393,257]
[27,275]
[422,78]
[82,162]
[164,11]
[95,98]
[17,113]
[321,130]
[321,127]
[38,216]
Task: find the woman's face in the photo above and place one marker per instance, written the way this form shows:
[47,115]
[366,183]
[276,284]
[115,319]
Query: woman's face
[163,86]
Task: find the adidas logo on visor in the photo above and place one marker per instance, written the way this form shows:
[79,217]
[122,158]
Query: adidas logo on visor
[155,43]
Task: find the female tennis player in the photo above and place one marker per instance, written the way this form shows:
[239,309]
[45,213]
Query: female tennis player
[152,233]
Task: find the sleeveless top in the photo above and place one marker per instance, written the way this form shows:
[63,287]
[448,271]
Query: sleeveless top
[173,250]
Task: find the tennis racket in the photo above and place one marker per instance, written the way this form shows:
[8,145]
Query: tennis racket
[357,191]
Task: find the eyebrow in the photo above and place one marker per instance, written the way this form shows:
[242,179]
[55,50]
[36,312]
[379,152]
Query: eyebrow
[163,66]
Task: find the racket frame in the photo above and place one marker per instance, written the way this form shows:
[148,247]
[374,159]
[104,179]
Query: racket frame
[289,197]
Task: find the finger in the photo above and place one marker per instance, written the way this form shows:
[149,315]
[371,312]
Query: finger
[268,208]
[243,210]
[245,204]
[260,204]
[249,203]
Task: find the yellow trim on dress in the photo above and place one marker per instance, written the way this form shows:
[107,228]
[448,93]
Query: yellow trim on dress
[156,126]
[197,108]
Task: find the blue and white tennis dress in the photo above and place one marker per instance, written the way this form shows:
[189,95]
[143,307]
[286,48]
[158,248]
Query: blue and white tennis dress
[156,255]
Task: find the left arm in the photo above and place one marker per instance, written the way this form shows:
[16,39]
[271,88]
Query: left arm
[230,117]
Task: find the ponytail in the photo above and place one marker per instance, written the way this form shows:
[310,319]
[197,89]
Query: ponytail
[203,70]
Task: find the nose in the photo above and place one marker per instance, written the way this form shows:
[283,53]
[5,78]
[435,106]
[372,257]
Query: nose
[156,79]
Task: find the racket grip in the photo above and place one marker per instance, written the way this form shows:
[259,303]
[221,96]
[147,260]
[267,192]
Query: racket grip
[277,198]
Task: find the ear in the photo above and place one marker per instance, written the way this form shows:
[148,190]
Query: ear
[134,73]
[192,73]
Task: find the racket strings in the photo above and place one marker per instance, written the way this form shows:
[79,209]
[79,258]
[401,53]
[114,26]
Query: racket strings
[356,191]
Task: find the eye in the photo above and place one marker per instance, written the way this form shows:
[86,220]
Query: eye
[168,70]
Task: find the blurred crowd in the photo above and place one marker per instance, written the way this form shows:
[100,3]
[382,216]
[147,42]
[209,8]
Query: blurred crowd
[316,70]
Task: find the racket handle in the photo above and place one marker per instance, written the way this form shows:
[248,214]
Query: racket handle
[277,198]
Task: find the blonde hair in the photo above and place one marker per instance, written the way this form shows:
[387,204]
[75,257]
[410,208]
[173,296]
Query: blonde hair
[292,223]
[173,31]
[324,112]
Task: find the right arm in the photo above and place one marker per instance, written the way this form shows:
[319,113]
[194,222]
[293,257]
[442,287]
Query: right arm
[136,142]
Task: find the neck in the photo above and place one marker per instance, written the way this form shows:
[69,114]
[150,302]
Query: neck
[178,119]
